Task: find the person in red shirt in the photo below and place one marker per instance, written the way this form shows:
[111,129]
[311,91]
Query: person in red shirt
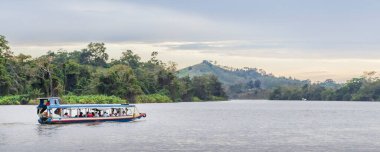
[48,103]
[90,114]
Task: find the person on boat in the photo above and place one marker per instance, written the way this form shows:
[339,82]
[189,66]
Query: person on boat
[58,111]
[124,113]
[66,115]
[90,114]
[81,114]
[105,114]
[96,114]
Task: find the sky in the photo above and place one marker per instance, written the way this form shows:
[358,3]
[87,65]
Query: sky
[305,39]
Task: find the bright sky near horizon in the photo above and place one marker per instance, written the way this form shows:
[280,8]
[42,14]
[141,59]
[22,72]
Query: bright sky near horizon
[315,40]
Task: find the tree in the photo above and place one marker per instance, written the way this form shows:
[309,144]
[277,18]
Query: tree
[87,72]
[5,78]
[130,59]
[44,70]
[257,84]
[207,87]
[154,59]
[4,48]
[119,81]
[95,54]
[71,75]
[185,89]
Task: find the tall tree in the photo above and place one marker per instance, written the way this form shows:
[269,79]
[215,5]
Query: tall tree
[5,78]
[119,81]
[95,54]
[130,59]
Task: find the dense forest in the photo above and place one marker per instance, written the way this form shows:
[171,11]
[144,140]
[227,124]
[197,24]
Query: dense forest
[89,76]
[365,88]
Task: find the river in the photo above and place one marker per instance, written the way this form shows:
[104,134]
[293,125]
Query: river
[238,125]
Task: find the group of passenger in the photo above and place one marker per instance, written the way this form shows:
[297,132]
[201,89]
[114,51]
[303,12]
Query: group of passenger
[97,114]
[115,112]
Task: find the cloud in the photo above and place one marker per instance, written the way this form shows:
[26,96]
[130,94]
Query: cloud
[287,37]
[285,29]
[279,49]
[79,21]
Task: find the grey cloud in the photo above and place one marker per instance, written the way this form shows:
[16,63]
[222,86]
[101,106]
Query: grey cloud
[236,45]
[289,28]
[277,49]
[73,21]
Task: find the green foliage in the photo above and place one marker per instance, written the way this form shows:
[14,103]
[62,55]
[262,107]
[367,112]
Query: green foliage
[95,54]
[195,99]
[206,87]
[10,100]
[3,45]
[92,99]
[310,92]
[5,77]
[87,72]
[217,98]
[119,81]
[365,88]
[128,58]
[153,98]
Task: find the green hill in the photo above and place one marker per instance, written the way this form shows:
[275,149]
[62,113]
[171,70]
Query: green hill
[241,83]
[225,76]
[229,76]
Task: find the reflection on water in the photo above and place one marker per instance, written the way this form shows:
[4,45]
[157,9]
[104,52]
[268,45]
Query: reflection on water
[93,123]
[210,126]
[48,130]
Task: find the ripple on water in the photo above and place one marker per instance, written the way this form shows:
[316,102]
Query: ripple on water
[209,126]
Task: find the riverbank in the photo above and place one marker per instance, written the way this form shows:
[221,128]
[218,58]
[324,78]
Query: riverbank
[95,99]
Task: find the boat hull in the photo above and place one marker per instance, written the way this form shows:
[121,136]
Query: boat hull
[88,120]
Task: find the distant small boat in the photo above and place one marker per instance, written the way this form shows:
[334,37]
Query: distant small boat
[304,99]
[50,111]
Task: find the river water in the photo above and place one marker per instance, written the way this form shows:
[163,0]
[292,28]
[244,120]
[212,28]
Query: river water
[206,126]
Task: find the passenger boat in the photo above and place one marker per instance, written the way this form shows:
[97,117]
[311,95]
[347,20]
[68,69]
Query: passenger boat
[50,111]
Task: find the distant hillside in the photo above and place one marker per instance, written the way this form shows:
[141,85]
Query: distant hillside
[229,76]
[241,83]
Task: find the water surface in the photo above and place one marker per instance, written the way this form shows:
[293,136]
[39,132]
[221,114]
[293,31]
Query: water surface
[206,126]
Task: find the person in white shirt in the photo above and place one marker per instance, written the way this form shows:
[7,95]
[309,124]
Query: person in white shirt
[105,114]
[66,115]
